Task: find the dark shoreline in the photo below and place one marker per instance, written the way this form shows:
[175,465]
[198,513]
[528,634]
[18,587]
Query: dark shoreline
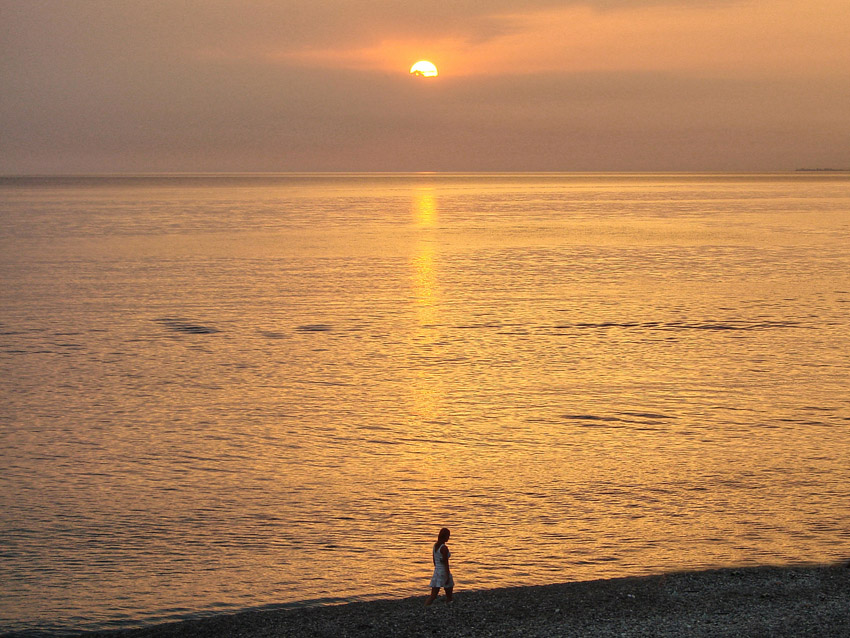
[740,602]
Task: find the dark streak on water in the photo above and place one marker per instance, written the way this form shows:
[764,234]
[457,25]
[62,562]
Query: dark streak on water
[316,327]
[186,327]
[678,325]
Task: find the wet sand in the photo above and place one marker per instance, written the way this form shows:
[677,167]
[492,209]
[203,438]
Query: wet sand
[744,602]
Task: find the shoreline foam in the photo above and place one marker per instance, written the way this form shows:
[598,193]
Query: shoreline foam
[753,601]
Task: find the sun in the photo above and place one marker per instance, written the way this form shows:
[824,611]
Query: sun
[424,69]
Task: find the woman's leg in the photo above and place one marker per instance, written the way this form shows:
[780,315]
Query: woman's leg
[435,591]
[449,592]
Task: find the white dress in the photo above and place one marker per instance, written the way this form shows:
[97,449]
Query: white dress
[442,577]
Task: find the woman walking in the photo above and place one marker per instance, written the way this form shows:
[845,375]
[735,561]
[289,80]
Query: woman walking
[442,574]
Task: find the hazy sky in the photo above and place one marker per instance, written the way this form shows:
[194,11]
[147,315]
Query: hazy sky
[289,85]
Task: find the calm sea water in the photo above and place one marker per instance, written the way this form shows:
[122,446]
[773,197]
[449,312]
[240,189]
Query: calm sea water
[231,392]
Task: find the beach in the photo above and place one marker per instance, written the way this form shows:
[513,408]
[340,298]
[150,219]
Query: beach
[760,601]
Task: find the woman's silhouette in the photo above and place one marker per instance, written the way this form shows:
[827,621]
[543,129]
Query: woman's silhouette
[442,574]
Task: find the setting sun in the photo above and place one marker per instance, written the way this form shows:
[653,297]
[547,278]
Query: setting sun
[424,69]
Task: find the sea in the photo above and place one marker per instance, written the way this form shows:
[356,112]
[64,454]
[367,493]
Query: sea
[254,391]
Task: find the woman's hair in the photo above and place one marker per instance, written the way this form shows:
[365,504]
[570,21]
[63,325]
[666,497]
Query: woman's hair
[442,537]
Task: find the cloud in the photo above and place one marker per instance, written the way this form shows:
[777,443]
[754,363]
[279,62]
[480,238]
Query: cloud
[757,38]
[41,37]
[163,28]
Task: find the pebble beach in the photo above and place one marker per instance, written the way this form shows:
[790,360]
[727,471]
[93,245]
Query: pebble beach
[759,601]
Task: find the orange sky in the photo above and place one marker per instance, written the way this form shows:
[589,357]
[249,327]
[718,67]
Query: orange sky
[225,85]
[765,37]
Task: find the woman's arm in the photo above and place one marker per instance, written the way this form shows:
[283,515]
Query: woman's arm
[444,551]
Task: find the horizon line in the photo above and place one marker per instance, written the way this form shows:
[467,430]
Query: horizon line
[415,173]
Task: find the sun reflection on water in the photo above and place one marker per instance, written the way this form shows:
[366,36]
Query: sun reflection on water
[427,391]
[425,208]
[425,285]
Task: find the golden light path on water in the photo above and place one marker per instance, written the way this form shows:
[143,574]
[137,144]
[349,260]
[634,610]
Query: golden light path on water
[427,388]
[229,392]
